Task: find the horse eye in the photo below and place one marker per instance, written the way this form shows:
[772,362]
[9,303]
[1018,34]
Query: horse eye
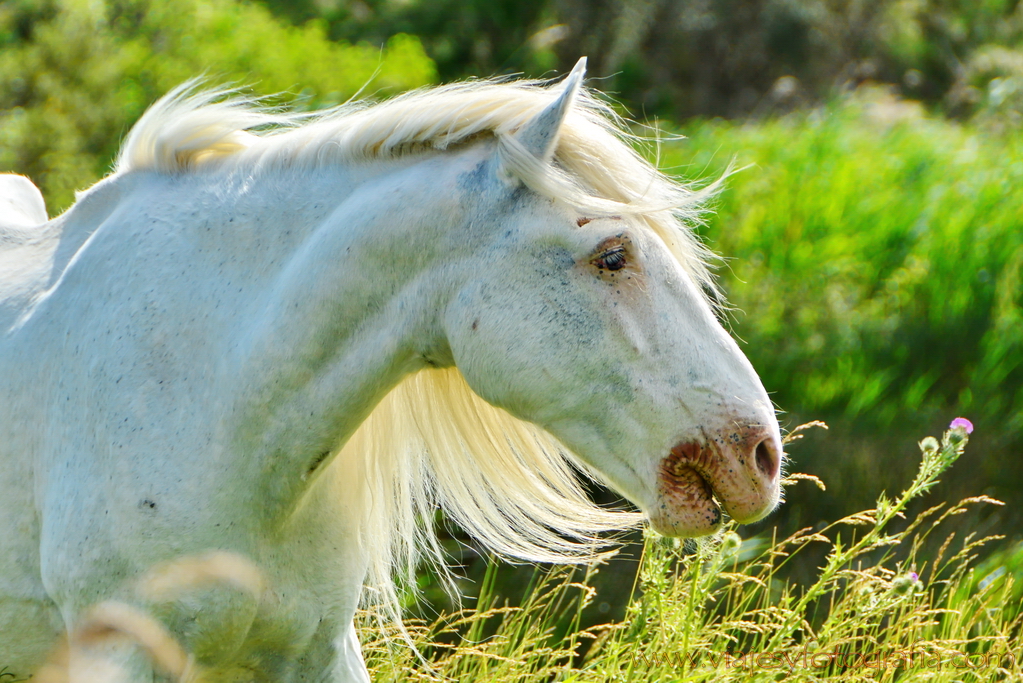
[611,259]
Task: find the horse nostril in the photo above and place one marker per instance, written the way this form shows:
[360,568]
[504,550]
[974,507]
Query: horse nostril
[767,463]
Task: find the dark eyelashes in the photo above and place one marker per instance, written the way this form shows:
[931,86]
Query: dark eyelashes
[611,259]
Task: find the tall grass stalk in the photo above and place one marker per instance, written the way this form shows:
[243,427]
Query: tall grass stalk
[880,609]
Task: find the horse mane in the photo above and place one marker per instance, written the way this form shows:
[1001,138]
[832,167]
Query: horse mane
[596,168]
[432,442]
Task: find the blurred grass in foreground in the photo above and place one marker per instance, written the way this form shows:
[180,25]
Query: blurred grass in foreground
[711,615]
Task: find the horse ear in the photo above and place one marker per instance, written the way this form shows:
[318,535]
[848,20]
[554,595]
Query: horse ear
[540,135]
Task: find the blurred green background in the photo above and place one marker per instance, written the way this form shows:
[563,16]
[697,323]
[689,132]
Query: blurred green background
[874,246]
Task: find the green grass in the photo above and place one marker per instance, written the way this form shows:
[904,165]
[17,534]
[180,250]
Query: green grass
[875,266]
[879,610]
[875,256]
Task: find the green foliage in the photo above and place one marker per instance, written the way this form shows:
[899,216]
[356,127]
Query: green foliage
[1005,566]
[463,37]
[878,260]
[741,57]
[878,609]
[74,74]
[991,86]
[714,57]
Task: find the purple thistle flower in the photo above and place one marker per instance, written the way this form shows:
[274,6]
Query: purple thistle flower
[914,577]
[962,422]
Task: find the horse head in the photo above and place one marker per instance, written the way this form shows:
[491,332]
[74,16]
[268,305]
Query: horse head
[586,323]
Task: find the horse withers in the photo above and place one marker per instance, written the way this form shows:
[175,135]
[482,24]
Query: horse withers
[293,345]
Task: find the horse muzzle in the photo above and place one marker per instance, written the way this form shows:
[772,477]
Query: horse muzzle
[738,469]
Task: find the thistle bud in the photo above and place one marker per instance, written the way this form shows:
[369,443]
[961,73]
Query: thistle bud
[905,583]
[929,445]
[730,543]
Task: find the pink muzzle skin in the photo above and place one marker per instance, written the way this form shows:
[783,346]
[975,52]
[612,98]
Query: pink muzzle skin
[737,469]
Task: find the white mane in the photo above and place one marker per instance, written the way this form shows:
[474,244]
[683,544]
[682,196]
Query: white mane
[432,441]
[595,168]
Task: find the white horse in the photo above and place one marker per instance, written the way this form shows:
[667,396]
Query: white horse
[294,344]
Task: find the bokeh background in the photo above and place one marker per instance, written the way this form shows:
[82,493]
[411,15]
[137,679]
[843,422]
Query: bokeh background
[873,244]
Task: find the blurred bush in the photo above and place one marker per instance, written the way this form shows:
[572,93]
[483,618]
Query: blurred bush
[741,57]
[464,37]
[990,86]
[709,57]
[75,74]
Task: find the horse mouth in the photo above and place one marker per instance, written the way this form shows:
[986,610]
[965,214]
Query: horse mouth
[687,505]
[700,479]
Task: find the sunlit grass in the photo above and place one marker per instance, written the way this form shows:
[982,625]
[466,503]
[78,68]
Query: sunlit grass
[879,610]
[875,258]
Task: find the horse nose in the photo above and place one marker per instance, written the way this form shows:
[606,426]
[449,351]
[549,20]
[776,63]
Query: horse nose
[751,488]
[736,467]
[767,457]
[744,468]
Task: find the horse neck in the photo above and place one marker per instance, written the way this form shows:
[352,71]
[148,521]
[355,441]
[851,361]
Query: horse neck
[356,307]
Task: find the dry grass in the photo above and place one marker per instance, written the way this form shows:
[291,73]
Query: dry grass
[879,610]
[95,651]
